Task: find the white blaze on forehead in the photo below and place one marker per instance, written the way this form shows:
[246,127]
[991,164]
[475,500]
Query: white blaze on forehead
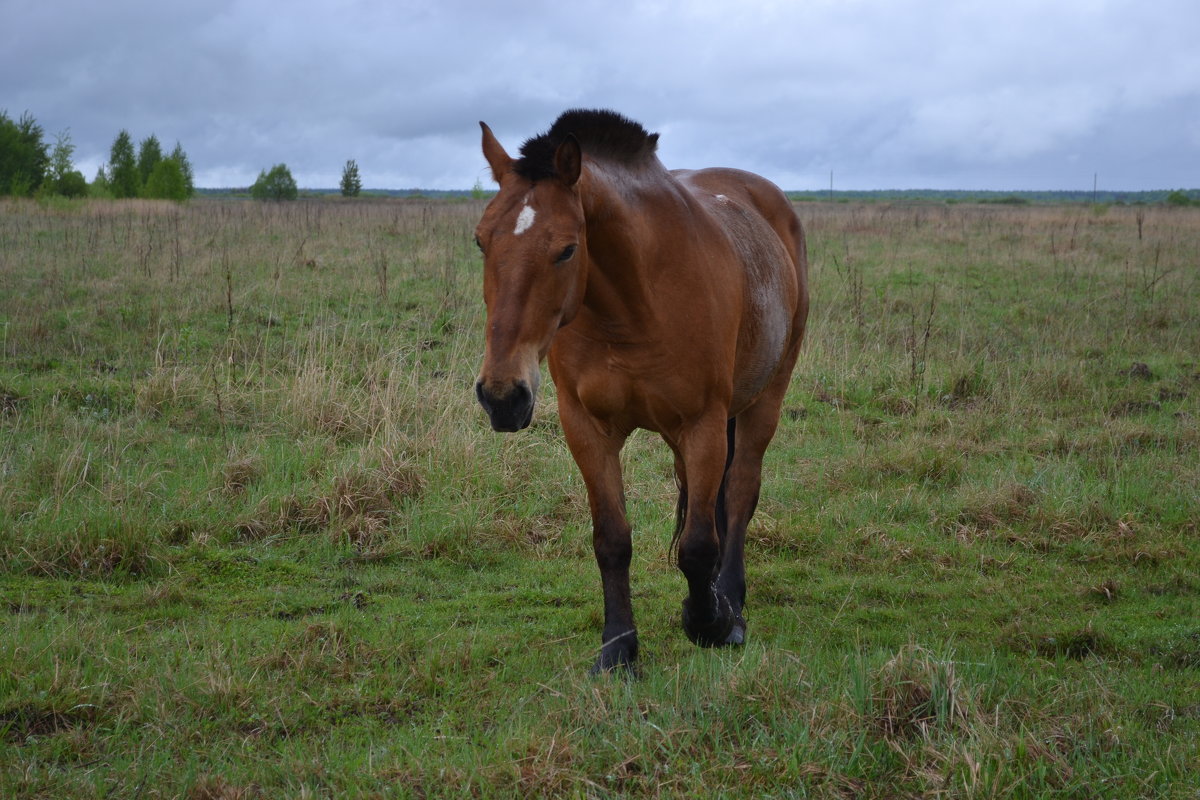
[524,219]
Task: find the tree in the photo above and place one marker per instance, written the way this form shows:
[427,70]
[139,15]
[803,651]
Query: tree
[60,156]
[122,167]
[351,182]
[181,158]
[100,186]
[23,156]
[61,176]
[167,181]
[277,184]
[149,154]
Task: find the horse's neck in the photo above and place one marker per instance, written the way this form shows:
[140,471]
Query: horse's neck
[620,242]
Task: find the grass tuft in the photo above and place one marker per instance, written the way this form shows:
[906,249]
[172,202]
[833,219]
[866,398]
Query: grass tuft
[916,694]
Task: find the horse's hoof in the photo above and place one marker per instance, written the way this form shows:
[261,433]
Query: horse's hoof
[618,656]
[714,632]
[623,669]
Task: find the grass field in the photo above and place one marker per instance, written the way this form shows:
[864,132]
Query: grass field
[257,539]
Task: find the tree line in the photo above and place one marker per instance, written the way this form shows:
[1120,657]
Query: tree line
[149,173]
[30,167]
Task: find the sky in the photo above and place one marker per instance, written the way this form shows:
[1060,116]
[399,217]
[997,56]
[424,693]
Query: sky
[880,94]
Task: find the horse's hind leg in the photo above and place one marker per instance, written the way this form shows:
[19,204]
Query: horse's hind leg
[754,429]
[708,617]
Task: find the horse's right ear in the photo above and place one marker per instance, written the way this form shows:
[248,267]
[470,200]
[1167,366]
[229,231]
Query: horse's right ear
[568,160]
[493,151]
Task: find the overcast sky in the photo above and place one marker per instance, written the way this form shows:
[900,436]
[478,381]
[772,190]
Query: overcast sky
[953,94]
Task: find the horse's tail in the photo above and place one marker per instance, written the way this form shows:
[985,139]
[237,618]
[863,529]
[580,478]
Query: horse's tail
[722,518]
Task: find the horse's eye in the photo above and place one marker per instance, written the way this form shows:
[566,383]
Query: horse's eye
[566,254]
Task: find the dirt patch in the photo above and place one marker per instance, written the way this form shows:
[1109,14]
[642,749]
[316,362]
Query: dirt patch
[359,505]
[1138,371]
[241,473]
[1076,645]
[216,788]
[1009,504]
[10,403]
[1129,408]
[1167,394]
[19,723]
[1179,652]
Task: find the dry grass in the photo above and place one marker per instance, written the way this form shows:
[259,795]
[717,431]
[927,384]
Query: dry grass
[916,694]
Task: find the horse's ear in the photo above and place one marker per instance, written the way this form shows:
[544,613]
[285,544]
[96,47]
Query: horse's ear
[568,160]
[493,151]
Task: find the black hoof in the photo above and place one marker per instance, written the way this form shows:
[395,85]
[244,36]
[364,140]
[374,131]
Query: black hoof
[716,630]
[618,656]
[623,669]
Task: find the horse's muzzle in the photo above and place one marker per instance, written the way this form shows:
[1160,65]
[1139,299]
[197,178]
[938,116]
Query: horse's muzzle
[512,411]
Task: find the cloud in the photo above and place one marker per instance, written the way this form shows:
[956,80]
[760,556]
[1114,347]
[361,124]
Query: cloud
[907,92]
[1002,124]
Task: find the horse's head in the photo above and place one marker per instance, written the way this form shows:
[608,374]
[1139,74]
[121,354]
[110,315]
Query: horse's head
[534,257]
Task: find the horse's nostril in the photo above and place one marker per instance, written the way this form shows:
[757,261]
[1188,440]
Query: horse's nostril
[521,393]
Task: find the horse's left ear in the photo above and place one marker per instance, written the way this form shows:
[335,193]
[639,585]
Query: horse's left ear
[497,158]
[568,160]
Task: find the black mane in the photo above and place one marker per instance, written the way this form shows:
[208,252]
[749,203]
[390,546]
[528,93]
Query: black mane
[601,134]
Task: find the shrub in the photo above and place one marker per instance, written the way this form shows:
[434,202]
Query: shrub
[1179,198]
[277,184]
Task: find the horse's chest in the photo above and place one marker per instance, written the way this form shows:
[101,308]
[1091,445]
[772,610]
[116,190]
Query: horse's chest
[630,387]
[604,393]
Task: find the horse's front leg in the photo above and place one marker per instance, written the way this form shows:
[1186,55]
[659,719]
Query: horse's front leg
[597,452]
[708,615]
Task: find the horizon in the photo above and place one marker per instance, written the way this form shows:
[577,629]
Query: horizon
[835,191]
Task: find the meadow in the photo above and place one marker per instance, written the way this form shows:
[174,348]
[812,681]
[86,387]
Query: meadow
[258,540]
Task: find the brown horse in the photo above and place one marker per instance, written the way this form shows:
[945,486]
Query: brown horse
[673,301]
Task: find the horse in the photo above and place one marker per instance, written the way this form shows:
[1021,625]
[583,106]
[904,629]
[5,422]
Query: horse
[669,300]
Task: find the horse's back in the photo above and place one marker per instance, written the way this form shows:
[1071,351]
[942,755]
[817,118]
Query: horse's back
[739,201]
[753,191]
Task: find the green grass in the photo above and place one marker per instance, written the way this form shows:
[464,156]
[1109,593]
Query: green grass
[256,539]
